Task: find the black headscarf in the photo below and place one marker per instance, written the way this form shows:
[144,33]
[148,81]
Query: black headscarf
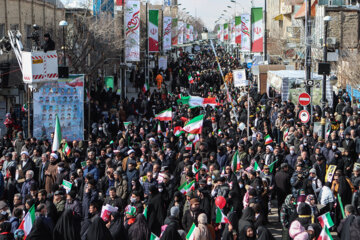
[116,226]
[242,234]
[264,234]
[139,230]
[98,230]
[67,227]
[39,231]
[247,219]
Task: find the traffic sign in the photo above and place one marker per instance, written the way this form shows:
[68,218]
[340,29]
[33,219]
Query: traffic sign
[304,99]
[304,116]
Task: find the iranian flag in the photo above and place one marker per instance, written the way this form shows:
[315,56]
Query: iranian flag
[286,133]
[186,187]
[238,30]
[326,220]
[28,221]
[165,115]
[235,165]
[159,128]
[154,237]
[145,213]
[66,150]
[191,79]
[191,235]
[178,131]
[226,31]
[57,135]
[195,101]
[257,29]
[194,126]
[268,139]
[126,124]
[145,87]
[153,30]
[188,146]
[325,234]
[220,216]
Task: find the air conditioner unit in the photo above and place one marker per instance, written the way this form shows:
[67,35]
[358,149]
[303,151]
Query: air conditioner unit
[331,40]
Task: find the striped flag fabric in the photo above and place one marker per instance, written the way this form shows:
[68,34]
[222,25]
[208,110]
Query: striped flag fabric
[191,235]
[188,147]
[236,166]
[286,133]
[268,139]
[28,221]
[226,31]
[126,124]
[186,187]
[325,234]
[153,30]
[326,220]
[146,87]
[195,101]
[165,115]
[257,29]
[256,166]
[271,165]
[191,79]
[178,131]
[220,216]
[238,30]
[154,237]
[57,135]
[66,150]
[159,131]
[195,125]
[145,213]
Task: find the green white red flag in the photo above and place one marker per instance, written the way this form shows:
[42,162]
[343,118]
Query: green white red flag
[235,164]
[195,125]
[220,216]
[178,131]
[325,234]
[186,187]
[191,79]
[257,29]
[145,87]
[238,30]
[66,150]
[256,166]
[191,235]
[326,220]
[57,135]
[28,221]
[165,115]
[159,131]
[226,31]
[153,30]
[188,147]
[268,139]
[154,237]
[195,101]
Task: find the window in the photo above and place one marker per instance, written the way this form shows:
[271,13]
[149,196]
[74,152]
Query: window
[2,30]
[14,27]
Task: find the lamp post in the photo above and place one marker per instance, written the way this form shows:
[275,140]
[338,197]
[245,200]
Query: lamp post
[63,24]
[327,19]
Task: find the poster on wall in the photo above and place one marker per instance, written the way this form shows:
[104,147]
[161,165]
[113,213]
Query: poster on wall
[65,98]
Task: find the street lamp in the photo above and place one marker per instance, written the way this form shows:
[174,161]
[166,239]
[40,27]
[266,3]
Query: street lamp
[327,19]
[64,24]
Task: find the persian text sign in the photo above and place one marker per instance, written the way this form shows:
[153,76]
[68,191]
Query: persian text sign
[132,31]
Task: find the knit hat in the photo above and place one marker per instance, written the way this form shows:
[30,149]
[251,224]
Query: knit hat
[174,211]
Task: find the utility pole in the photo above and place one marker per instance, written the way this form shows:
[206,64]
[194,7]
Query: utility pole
[147,45]
[265,32]
[308,50]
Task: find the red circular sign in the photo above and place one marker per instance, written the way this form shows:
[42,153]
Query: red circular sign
[304,99]
[304,116]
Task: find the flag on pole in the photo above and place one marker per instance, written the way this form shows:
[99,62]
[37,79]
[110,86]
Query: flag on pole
[126,124]
[268,139]
[257,29]
[325,234]
[220,217]
[167,24]
[195,101]
[226,31]
[153,30]
[327,134]
[256,166]
[191,79]
[28,221]
[145,87]
[165,115]
[24,107]
[271,166]
[145,212]
[236,166]
[188,147]
[159,128]
[194,126]
[57,135]
[238,30]
[191,235]
[154,237]
[326,220]
[178,131]
[186,187]
[67,185]
[341,206]
[66,150]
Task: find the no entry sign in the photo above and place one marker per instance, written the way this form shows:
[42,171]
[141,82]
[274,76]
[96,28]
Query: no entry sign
[304,116]
[304,99]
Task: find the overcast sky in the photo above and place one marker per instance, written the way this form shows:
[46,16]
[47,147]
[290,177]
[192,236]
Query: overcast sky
[210,10]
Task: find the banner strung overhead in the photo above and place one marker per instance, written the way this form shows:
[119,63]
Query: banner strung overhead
[174,32]
[65,98]
[181,32]
[257,29]
[167,33]
[245,32]
[153,30]
[132,31]
[226,31]
[238,30]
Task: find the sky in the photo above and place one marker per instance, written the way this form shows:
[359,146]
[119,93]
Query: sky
[210,10]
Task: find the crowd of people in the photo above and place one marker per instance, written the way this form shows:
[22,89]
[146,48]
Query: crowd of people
[127,180]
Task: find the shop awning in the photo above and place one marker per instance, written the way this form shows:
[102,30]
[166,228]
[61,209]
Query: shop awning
[301,13]
[279,17]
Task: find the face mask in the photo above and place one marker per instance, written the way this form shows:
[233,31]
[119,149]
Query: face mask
[308,134]
[292,152]
[132,200]
[305,144]
[141,160]
[209,183]
[333,147]
[60,169]
[213,177]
